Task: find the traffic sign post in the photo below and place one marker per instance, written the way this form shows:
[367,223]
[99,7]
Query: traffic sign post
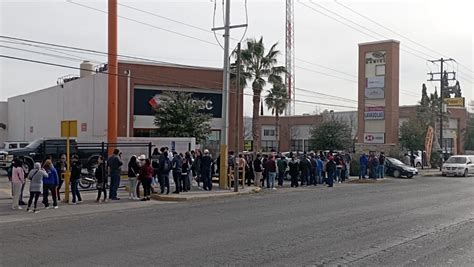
[68,130]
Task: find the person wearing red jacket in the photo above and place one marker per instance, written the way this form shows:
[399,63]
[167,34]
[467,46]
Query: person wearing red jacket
[145,175]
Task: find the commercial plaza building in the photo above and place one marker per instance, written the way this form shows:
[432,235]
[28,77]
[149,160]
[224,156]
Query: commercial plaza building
[295,130]
[39,113]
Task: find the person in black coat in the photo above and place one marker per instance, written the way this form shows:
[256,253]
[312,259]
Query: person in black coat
[294,171]
[331,170]
[101,177]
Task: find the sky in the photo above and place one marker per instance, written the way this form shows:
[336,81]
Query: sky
[326,51]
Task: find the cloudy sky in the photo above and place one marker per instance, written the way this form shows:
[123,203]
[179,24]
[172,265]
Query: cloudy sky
[326,50]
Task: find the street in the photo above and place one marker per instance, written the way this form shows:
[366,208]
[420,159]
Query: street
[425,221]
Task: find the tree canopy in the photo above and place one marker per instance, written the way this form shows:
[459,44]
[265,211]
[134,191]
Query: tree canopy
[332,134]
[178,115]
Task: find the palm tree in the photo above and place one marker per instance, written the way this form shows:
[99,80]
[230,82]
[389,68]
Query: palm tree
[277,100]
[260,66]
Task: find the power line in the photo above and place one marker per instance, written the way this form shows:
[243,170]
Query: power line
[41,53]
[146,24]
[145,79]
[388,29]
[354,28]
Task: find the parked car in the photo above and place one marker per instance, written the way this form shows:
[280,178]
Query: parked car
[39,149]
[396,168]
[458,165]
[9,146]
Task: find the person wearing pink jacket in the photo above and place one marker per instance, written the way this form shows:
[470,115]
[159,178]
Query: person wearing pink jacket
[18,179]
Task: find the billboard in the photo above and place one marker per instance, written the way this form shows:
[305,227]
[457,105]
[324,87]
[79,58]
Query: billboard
[374,113]
[144,101]
[374,138]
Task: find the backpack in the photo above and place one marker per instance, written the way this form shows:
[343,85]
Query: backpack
[166,165]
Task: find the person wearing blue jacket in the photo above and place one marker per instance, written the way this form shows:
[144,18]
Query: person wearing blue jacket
[363,161]
[49,184]
[319,170]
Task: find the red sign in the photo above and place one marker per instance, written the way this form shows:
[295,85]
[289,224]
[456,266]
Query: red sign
[84,127]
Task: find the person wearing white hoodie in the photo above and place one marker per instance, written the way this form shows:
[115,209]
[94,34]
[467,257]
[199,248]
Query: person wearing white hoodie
[18,179]
[36,185]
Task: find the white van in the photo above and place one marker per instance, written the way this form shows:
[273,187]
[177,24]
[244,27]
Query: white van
[458,165]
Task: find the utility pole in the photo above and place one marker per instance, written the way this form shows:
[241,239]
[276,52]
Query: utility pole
[112,106]
[225,95]
[237,135]
[443,79]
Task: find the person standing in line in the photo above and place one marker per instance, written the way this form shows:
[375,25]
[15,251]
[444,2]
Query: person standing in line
[281,164]
[375,167]
[49,184]
[155,157]
[249,174]
[381,165]
[242,164]
[36,185]
[189,159]
[18,179]
[101,177]
[61,167]
[319,170]
[133,169]
[271,168]
[115,168]
[294,170]
[314,165]
[197,168]
[146,175]
[177,167]
[363,161]
[257,168]
[206,162]
[76,167]
[348,159]
[164,172]
[304,168]
[264,172]
[331,170]
[184,181]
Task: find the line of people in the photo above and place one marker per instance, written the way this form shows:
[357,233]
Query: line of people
[372,165]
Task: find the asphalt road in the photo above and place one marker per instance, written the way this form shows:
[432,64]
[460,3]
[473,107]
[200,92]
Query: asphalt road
[427,221]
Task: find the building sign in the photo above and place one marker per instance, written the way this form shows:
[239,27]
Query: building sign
[455,102]
[374,93]
[374,138]
[374,113]
[375,82]
[146,100]
[377,57]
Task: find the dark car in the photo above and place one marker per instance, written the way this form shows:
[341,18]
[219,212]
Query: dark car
[396,168]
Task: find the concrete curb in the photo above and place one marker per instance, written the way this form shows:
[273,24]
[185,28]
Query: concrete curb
[174,198]
[364,181]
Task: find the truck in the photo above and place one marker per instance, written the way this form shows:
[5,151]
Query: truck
[9,146]
[40,149]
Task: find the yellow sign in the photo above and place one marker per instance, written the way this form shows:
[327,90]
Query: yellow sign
[454,102]
[68,128]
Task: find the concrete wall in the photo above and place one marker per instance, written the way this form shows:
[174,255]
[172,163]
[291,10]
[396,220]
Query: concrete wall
[4,120]
[39,114]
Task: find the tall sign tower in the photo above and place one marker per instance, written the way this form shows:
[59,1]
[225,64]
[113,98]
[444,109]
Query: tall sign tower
[290,56]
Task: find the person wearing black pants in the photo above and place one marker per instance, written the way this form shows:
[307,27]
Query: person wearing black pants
[146,175]
[76,167]
[294,169]
[101,176]
[49,184]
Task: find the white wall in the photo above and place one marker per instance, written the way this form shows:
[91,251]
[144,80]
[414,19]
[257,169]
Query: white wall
[41,112]
[4,120]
